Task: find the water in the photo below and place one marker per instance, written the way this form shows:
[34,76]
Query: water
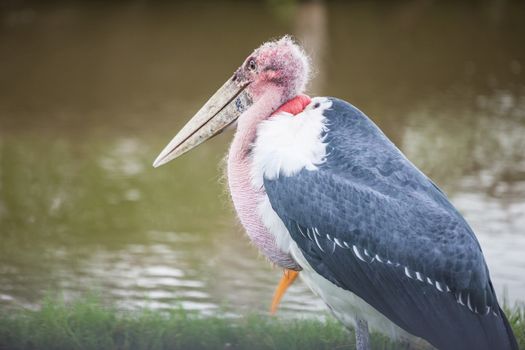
[90,93]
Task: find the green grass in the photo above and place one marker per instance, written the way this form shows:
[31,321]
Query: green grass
[87,324]
[516,318]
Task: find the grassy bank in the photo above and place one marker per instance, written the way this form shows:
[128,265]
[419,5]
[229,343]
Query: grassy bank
[86,324]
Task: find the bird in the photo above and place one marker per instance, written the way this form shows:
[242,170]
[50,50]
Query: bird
[325,195]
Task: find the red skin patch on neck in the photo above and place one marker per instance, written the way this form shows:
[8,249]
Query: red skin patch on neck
[296,105]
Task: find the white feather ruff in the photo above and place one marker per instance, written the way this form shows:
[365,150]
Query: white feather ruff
[285,145]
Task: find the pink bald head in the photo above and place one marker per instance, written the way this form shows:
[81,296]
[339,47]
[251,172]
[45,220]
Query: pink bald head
[279,66]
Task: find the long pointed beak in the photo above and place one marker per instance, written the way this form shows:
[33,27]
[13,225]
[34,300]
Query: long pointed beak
[221,110]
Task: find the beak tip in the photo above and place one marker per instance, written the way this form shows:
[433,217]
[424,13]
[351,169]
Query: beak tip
[166,156]
[158,162]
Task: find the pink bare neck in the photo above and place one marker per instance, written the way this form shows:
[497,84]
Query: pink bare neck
[245,197]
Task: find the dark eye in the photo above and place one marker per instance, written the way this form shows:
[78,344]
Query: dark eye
[251,64]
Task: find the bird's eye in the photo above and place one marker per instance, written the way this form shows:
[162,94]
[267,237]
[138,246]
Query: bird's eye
[251,64]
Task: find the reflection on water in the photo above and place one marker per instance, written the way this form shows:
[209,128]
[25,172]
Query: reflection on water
[89,93]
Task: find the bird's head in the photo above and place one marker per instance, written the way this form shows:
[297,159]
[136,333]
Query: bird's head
[277,68]
[278,65]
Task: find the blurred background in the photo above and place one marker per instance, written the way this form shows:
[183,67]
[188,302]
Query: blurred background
[91,91]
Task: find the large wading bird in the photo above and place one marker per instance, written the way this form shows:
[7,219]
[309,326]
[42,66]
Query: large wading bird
[323,193]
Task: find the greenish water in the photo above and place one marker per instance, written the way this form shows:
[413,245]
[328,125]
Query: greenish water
[90,93]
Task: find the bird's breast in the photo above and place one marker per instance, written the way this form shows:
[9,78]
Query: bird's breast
[286,143]
[281,145]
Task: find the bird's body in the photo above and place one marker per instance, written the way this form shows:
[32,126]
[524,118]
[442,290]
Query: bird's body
[321,190]
[281,144]
[371,233]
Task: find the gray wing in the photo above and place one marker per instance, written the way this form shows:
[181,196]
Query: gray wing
[373,224]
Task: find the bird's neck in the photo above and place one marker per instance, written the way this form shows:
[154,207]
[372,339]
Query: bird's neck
[269,104]
[245,197]
[248,121]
